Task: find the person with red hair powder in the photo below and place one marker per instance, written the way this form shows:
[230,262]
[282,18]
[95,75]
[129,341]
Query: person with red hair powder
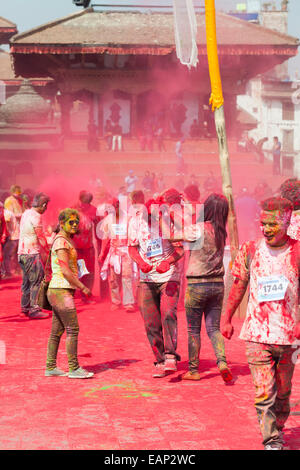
[160,274]
[271,327]
[290,190]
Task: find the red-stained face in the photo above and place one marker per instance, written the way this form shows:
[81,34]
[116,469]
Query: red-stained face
[274,227]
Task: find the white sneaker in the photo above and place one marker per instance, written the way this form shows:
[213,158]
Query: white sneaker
[170,364]
[159,370]
[80,374]
[275,446]
[55,373]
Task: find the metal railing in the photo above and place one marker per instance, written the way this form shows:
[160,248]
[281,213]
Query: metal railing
[149,6]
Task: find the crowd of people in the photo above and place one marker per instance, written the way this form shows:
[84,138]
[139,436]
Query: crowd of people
[154,248]
[248,144]
[151,134]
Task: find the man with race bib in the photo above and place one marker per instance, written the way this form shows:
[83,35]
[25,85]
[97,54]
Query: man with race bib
[158,291]
[271,326]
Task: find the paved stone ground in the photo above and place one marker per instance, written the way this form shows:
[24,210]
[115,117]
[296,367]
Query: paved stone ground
[122,407]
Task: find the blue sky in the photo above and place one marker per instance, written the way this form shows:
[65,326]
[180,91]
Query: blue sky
[30,13]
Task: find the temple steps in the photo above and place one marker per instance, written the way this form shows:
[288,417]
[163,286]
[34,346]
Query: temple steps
[79,144]
[113,167]
[200,156]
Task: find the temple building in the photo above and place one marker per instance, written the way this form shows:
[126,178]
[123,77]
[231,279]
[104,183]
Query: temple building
[7,30]
[43,86]
[122,67]
[26,117]
[8,79]
[97,69]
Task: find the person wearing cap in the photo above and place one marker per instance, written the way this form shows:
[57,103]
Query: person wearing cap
[32,255]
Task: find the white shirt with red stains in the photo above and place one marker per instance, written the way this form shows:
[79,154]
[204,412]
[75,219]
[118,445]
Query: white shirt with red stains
[28,242]
[117,233]
[273,321]
[153,250]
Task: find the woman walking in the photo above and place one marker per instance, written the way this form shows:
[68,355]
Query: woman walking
[61,292]
[205,289]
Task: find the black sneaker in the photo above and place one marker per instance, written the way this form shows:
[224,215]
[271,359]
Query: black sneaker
[38,315]
[24,313]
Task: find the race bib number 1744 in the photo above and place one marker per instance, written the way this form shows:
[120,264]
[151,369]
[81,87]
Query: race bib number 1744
[272,288]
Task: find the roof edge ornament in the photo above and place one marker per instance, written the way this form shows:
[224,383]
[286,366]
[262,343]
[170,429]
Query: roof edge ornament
[82,3]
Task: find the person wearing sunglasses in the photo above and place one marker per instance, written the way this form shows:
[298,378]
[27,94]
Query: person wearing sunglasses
[62,287]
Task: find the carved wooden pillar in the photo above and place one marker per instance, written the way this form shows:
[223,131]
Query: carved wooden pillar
[201,113]
[66,102]
[91,109]
[93,142]
[100,116]
[133,116]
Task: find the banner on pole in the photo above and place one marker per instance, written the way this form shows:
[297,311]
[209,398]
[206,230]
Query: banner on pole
[185,25]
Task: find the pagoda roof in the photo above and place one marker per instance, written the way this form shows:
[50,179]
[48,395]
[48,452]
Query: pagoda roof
[132,32]
[7,74]
[7,30]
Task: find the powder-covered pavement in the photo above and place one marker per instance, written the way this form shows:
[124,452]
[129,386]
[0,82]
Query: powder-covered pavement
[122,407]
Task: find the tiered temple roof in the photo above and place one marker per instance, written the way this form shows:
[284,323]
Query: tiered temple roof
[7,74]
[7,30]
[135,33]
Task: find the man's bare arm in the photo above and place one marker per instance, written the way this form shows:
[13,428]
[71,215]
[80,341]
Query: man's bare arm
[235,297]
[135,255]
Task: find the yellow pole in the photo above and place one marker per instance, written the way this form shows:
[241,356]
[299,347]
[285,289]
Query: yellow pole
[216,98]
[217,101]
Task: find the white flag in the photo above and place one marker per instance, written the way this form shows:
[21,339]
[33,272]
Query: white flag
[185,25]
[82,269]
